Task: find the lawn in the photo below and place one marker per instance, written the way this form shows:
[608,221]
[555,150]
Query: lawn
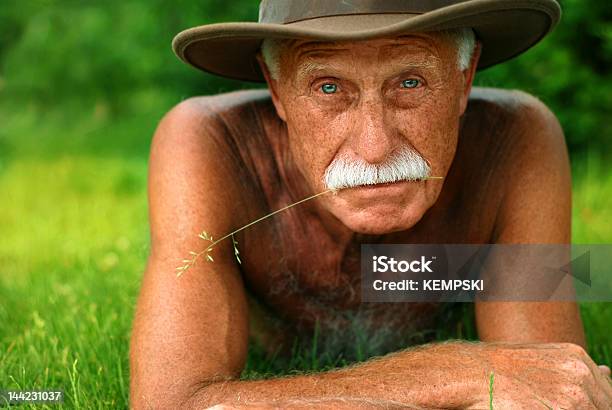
[74,239]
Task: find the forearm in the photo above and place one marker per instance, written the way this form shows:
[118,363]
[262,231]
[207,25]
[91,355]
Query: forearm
[428,376]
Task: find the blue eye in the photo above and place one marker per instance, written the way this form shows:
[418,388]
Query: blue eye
[411,83]
[329,88]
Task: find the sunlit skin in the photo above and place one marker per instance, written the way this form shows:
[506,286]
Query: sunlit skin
[220,162]
[365,100]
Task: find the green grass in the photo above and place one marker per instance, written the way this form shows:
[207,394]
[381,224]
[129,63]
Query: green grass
[72,249]
[491,381]
[73,243]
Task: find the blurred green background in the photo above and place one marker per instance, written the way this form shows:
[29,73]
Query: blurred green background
[82,87]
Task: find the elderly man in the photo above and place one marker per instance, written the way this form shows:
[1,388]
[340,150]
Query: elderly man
[371,98]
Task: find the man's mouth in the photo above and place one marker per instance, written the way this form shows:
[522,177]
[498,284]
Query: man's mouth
[388,184]
[381,185]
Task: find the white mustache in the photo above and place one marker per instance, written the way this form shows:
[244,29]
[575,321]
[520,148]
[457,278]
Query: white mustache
[405,165]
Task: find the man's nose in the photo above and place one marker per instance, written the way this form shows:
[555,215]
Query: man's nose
[372,135]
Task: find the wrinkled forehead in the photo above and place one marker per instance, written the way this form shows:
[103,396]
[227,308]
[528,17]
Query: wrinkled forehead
[430,50]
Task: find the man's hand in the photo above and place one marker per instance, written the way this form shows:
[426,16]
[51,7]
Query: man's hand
[555,375]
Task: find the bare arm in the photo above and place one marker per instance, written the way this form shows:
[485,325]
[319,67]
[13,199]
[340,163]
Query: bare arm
[191,329]
[444,375]
[536,209]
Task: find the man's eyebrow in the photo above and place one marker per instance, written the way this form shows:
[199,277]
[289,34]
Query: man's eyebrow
[309,65]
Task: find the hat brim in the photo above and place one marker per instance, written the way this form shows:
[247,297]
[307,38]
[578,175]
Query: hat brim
[506,28]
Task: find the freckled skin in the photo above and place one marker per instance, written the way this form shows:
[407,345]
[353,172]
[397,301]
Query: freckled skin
[220,162]
[371,115]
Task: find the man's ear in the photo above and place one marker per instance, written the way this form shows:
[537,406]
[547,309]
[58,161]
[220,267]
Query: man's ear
[273,87]
[468,76]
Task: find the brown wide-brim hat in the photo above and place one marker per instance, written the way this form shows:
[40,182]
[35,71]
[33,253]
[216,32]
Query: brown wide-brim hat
[505,28]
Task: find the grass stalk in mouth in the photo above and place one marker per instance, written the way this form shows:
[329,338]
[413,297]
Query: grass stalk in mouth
[188,263]
[205,236]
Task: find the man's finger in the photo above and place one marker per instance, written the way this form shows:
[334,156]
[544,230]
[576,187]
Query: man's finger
[604,369]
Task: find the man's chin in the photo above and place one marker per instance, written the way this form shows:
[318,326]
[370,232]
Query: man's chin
[380,209]
[379,225]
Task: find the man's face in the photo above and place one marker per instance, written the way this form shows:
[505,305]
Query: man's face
[366,103]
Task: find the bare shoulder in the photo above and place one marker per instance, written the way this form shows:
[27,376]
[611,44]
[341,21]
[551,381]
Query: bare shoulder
[525,111]
[195,175]
[219,122]
[202,120]
[532,161]
[522,118]
[197,113]
[517,102]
